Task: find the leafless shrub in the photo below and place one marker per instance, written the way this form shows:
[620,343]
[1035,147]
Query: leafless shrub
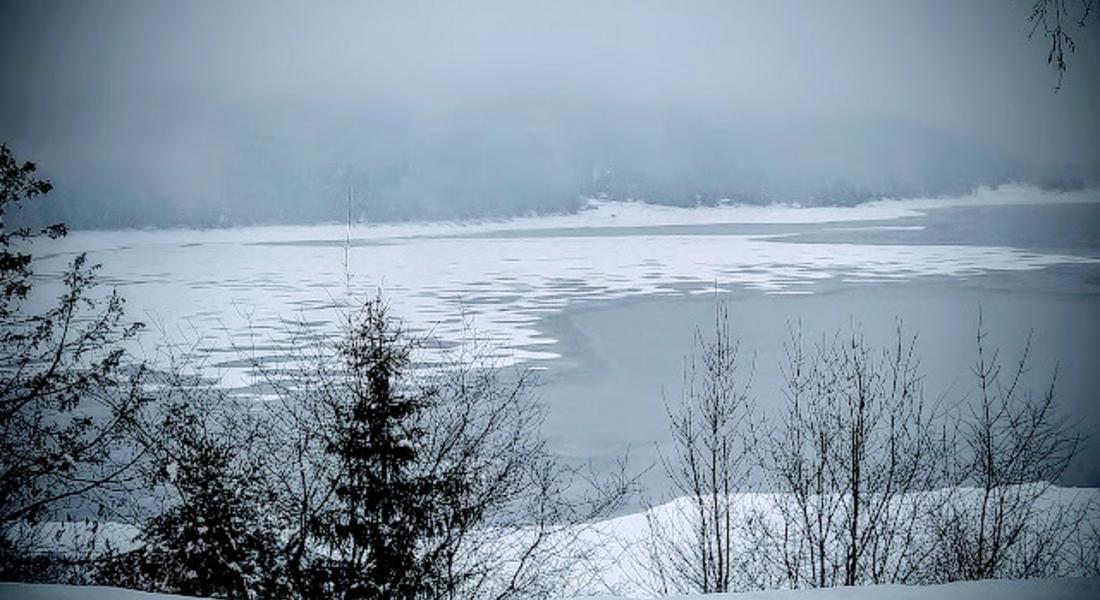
[1014,446]
[855,446]
[692,544]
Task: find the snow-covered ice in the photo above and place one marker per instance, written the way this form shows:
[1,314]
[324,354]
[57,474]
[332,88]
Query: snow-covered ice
[220,290]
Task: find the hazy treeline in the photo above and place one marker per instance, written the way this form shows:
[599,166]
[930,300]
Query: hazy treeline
[511,159]
[500,108]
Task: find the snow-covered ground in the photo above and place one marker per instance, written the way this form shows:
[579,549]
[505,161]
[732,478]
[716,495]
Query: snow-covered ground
[621,545]
[26,591]
[617,549]
[1035,589]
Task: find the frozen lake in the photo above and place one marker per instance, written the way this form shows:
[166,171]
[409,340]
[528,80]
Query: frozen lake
[605,302]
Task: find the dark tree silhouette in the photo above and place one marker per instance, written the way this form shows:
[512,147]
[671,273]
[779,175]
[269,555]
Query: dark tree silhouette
[433,483]
[66,396]
[378,514]
[216,535]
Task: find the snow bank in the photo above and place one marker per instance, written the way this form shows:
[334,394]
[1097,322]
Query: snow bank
[27,591]
[619,547]
[1047,589]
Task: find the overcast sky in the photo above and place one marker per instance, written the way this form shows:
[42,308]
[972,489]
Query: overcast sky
[112,77]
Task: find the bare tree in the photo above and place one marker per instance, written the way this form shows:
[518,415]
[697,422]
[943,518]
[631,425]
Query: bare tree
[1053,19]
[847,464]
[1015,447]
[515,519]
[67,397]
[692,547]
[1086,544]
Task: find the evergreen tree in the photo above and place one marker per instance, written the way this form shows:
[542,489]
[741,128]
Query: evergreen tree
[425,482]
[381,506]
[217,537]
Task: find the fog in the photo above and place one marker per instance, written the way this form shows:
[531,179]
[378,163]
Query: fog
[204,114]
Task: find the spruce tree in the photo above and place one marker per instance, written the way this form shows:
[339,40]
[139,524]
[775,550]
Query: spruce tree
[381,508]
[217,537]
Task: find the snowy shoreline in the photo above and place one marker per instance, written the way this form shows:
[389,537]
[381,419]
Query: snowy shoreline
[616,549]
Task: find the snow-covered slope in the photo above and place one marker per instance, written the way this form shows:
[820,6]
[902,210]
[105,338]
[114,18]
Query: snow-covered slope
[27,591]
[620,549]
[1037,589]
[617,549]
